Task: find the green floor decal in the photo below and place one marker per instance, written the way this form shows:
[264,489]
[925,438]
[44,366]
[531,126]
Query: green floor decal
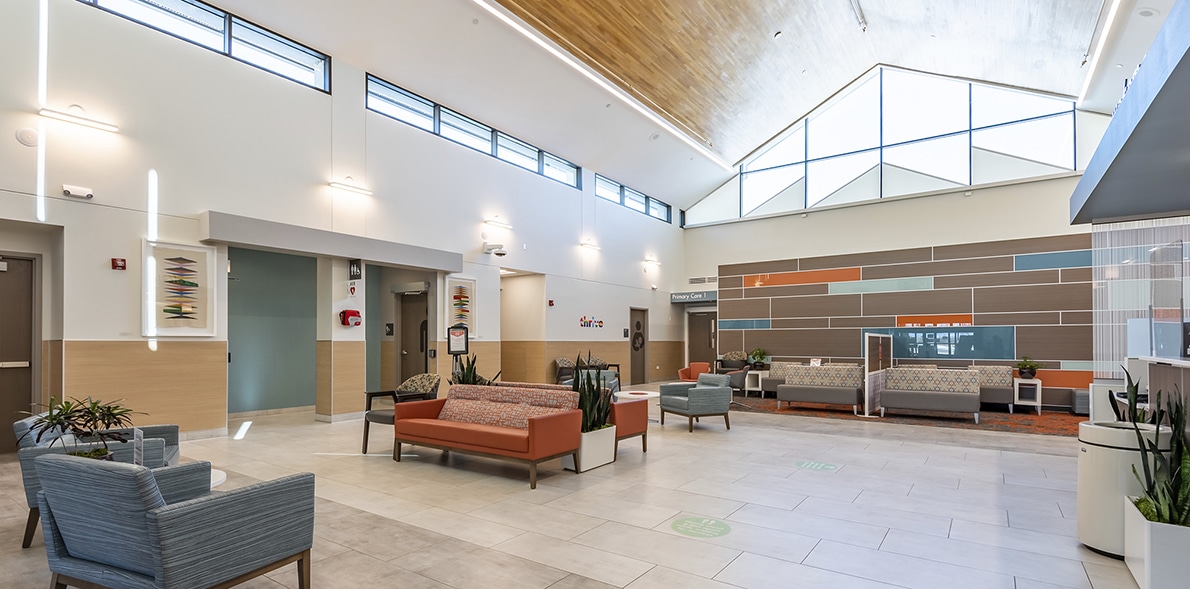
[701,527]
[812,465]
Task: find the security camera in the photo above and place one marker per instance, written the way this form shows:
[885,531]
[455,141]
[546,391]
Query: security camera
[77,191]
[496,249]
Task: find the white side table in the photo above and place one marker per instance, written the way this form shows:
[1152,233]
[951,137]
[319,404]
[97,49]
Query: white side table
[653,397]
[218,477]
[1033,384]
[752,381]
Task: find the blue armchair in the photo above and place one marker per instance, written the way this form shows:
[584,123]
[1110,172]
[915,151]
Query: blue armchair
[710,396]
[123,526]
[161,449]
[610,379]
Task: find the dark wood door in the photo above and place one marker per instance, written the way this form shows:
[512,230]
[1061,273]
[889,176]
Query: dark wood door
[16,345]
[413,337]
[638,329]
[701,346]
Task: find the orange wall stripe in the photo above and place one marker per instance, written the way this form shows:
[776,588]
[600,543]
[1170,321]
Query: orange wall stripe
[806,277]
[935,320]
[1073,379]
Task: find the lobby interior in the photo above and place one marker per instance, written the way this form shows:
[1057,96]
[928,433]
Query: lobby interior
[599,207]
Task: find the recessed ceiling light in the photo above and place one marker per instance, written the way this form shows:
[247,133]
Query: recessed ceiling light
[654,136]
[1119,65]
[475,21]
[1146,12]
[777,35]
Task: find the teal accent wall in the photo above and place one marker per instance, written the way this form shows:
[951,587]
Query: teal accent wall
[272,307]
[373,324]
[882,285]
[1049,261]
[744,323]
[952,343]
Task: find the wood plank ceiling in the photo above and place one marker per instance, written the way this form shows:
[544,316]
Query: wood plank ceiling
[718,70]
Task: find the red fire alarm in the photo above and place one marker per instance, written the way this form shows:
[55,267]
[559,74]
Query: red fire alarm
[119,264]
[551,302]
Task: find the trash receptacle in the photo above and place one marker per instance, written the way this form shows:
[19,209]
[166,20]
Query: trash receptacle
[1107,451]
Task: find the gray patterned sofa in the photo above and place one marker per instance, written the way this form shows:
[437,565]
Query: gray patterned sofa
[995,384]
[777,373]
[931,389]
[837,384]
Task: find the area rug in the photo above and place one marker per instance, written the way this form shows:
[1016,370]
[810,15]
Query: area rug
[1054,422]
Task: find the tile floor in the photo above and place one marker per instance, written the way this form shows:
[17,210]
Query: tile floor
[808,502]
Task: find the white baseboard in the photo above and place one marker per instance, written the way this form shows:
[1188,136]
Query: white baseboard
[203,434]
[263,412]
[339,417]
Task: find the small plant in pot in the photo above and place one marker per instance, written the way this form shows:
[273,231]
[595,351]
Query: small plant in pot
[597,446]
[1028,367]
[758,356]
[466,371]
[84,421]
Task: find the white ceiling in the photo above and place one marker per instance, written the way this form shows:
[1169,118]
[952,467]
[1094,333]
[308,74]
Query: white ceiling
[454,52]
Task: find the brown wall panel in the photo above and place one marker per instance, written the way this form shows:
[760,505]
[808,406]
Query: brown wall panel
[1076,275]
[51,370]
[731,281]
[1056,297]
[731,293]
[744,309]
[1003,264]
[864,321]
[731,339]
[1056,243]
[1065,342]
[349,376]
[816,323]
[664,360]
[388,365]
[997,279]
[525,361]
[815,343]
[182,382]
[921,254]
[1046,318]
[918,302]
[758,268]
[787,291]
[1078,317]
[847,305]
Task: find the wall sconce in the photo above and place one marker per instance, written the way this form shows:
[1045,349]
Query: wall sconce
[591,245]
[350,187]
[652,260]
[496,222]
[78,120]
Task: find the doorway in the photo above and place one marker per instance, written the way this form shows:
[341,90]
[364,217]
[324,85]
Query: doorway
[16,344]
[700,346]
[413,334]
[639,323]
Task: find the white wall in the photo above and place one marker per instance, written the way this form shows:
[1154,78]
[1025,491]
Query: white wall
[573,301]
[522,308]
[226,136]
[1032,209]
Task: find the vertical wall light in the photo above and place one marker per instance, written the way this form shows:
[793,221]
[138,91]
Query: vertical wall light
[151,207]
[43,43]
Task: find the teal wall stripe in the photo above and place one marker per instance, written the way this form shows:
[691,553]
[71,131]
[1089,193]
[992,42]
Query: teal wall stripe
[883,285]
[744,323]
[1049,261]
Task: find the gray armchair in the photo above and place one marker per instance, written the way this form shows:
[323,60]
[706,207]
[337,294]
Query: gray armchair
[710,396]
[122,526]
[609,379]
[167,432]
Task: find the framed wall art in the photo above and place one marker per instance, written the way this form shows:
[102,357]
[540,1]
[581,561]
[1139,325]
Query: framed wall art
[460,303]
[179,290]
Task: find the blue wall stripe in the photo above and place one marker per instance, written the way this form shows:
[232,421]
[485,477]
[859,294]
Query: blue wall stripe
[1047,261]
[744,323]
[883,285]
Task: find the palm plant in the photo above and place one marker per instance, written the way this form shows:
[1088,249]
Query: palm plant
[86,421]
[1167,482]
[593,399]
[466,371]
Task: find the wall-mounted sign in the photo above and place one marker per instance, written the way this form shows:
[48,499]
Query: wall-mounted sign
[352,288]
[592,322]
[702,296]
[456,340]
[355,270]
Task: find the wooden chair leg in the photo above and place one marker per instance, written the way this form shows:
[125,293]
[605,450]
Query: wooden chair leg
[31,527]
[691,424]
[366,424]
[56,583]
[397,450]
[644,442]
[303,567]
[533,472]
[663,418]
[726,421]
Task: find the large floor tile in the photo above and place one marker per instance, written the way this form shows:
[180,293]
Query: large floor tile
[602,566]
[461,526]
[540,519]
[898,569]
[760,572]
[680,553]
[812,525]
[1018,563]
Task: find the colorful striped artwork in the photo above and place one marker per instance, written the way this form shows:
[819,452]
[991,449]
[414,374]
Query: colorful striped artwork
[181,289]
[461,299]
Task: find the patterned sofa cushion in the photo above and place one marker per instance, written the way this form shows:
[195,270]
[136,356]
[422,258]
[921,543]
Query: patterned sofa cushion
[995,376]
[420,383]
[504,406]
[932,380]
[781,369]
[845,376]
[533,385]
[736,356]
[564,362]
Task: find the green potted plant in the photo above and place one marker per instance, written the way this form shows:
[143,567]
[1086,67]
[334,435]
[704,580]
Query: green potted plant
[1157,524]
[466,372]
[597,446]
[84,421]
[758,356]
[1028,367]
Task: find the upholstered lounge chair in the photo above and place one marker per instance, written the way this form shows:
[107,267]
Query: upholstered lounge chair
[691,372]
[710,396]
[123,526]
[731,361]
[415,388]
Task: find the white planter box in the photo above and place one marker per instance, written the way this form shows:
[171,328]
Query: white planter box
[1155,553]
[596,449]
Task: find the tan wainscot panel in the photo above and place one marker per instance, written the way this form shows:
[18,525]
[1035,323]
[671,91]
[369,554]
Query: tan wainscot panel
[183,382]
[665,359]
[322,377]
[487,355]
[51,370]
[525,361]
[388,365]
[610,352]
[349,376]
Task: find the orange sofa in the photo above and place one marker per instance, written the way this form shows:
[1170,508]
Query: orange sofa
[518,424]
[631,418]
